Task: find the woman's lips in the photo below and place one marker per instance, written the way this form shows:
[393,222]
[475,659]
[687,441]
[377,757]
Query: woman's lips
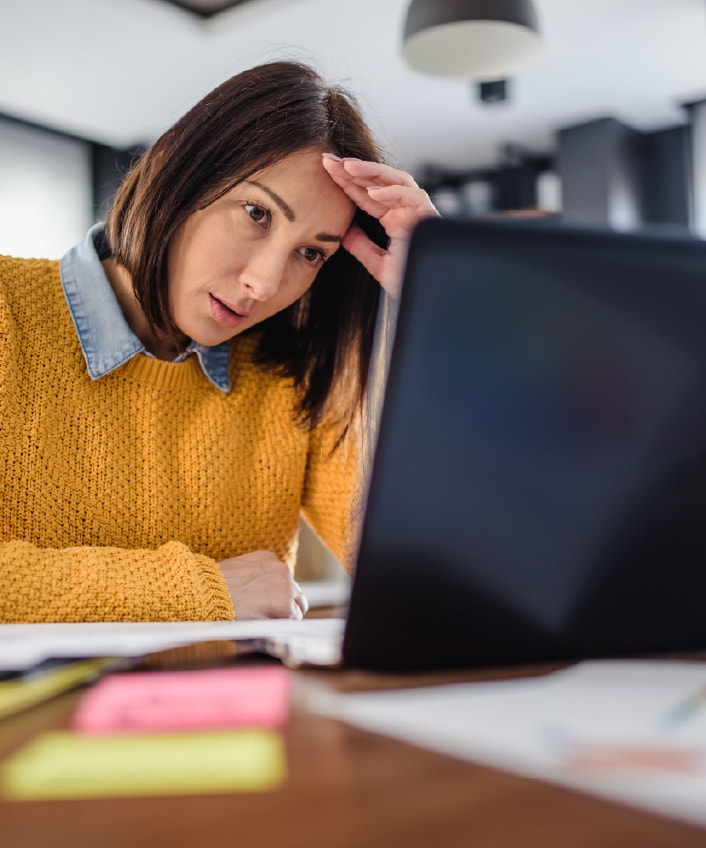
[225,315]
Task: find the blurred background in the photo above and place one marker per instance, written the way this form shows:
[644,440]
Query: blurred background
[603,125]
[606,126]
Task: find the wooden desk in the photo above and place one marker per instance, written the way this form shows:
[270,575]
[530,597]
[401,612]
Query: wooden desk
[346,789]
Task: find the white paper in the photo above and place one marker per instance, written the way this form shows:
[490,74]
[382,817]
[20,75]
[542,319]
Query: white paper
[631,731]
[23,646]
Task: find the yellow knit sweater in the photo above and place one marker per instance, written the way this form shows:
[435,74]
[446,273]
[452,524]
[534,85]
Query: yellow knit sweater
[119,496]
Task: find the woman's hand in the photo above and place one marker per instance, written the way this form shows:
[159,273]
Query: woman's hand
[393,198]
[261,586]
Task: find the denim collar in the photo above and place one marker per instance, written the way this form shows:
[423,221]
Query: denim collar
[105,337]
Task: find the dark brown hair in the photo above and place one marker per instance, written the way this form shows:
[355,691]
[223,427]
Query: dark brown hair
[251,121]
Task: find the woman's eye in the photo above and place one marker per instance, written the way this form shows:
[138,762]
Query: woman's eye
[311,254]
[257,213]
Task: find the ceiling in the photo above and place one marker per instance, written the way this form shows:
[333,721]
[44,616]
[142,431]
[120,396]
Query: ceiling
[120,71]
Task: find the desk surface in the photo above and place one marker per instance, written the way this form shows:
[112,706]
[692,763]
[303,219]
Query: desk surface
[346,787]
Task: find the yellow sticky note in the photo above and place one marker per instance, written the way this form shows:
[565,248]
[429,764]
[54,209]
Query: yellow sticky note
[16,695]
[64,765]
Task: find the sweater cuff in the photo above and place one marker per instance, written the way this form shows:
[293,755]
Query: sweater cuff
[217,603]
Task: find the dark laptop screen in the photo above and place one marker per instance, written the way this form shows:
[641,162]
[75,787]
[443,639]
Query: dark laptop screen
[539,489]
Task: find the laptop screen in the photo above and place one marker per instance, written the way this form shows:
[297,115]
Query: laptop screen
[539,485]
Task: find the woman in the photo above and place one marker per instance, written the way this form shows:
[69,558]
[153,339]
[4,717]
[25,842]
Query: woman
[191,378]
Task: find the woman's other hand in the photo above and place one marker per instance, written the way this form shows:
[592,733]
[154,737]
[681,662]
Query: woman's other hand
[395,199]
[262,586]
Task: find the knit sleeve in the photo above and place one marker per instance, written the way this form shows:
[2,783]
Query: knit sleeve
[332,501]
[110,584]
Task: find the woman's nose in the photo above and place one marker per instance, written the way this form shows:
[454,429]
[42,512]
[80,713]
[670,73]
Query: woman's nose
[262,276]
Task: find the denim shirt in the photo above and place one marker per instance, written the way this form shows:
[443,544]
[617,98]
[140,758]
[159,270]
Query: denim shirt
[105,337]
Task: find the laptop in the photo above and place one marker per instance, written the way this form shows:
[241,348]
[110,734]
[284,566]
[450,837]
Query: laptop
[539,484]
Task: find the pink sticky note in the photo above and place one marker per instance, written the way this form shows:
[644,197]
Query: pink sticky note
[177,700]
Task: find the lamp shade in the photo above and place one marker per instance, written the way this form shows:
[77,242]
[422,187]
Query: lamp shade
[476,39]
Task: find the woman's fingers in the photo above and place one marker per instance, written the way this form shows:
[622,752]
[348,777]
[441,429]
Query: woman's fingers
[353,187]
[403,198]
[393,198]
[363,172]
[379,189]
[359,179]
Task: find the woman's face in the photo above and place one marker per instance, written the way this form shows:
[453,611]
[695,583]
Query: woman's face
[255,250]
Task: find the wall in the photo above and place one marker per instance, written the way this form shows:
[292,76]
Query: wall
[46,190]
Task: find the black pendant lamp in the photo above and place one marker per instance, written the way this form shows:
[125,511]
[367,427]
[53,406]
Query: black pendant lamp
[475,39]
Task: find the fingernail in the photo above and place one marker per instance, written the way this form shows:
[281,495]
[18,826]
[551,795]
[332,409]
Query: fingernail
[332,157]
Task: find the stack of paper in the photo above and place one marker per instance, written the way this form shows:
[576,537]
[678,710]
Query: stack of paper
[23,646]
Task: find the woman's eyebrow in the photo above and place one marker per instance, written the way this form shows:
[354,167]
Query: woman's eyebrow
[289,212]
[286,209]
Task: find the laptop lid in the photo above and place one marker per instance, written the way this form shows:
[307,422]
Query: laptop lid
[539,485]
